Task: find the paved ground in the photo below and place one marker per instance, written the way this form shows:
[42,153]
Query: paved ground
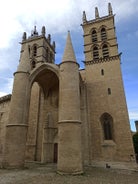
[48,175]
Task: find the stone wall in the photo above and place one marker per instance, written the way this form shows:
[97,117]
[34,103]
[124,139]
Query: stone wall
[4,109]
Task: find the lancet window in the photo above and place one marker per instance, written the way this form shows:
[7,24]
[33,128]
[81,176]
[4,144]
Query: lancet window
[103,34]
[107,126]
[102,71]
[33,64]
[95,52]
[105,51]
[94,36]
[34,50]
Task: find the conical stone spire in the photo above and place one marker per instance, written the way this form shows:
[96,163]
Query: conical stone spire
[69,54]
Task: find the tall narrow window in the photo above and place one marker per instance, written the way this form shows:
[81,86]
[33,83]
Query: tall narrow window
[95,53]
[51,57]
[103,34]
[33,64]
[1,114]
[35,50]
[47,54]
[105,51]
[102,72]
[109,91]
[107,125]
[107,130]
[94,36]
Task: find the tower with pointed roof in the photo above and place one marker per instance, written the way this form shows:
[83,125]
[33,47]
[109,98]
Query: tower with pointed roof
[61,114]
[69,125]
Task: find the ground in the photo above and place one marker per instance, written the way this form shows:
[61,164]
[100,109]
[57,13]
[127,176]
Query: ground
[47,175]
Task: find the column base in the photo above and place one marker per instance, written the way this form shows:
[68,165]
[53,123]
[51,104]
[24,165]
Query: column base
[68,173]
[15,145]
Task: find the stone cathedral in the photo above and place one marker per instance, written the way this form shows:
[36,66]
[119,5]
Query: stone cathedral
[58,113]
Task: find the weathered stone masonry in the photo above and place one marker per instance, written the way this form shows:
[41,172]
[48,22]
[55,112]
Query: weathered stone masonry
[60,114]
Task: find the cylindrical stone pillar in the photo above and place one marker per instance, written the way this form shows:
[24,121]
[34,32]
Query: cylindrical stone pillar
[69,125]
[16,128]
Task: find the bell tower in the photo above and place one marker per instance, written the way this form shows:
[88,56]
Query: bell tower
[40,48]
[100,43]
[110,137]
[36,51]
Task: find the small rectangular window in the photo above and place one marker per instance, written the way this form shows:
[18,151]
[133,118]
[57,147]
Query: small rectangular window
[109,91]
[102,72]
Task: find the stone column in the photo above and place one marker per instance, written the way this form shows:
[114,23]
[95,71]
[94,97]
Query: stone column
[16,128]
[69,126]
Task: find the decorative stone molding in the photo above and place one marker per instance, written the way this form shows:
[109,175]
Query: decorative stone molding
[101,60]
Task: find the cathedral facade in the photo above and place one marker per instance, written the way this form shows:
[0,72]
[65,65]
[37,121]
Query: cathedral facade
[61,114]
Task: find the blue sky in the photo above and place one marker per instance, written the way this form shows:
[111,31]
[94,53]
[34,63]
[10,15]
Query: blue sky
[17,16]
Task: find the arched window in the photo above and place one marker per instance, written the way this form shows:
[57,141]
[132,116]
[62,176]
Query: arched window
[95,53]
[34,50]
[107,126]
[103,34]
[94,36]
[105,51]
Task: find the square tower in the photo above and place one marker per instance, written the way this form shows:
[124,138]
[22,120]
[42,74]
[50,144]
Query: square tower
[110,137]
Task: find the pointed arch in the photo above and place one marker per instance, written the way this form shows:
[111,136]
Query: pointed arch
[43,67]
[43,98]
[107,126]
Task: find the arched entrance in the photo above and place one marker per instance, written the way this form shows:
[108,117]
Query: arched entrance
[43,117]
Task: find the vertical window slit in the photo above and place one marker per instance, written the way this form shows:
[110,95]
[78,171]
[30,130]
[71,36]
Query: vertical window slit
[102,71]
[109,91]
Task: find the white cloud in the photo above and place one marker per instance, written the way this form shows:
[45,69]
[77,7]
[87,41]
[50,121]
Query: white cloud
[5,59]
[133,114]
[17,16]
[6,86]
[2,94]
[9,84]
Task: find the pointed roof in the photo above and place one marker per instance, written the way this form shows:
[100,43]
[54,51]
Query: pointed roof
[69,54]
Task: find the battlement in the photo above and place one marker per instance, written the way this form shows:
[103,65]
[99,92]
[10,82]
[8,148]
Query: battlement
[97,17]
[35,35]
[5,98]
